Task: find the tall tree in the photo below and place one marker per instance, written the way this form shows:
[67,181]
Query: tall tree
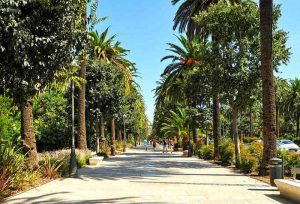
[81,139]
[268,86]
[184,20]
[31,33]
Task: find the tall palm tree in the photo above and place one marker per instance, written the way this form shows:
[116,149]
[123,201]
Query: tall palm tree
[184,20]
[81,140]
[268,85]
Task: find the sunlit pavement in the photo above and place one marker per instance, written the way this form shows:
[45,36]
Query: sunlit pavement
[152,177]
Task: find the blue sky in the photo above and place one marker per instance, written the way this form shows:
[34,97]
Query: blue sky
[145,26]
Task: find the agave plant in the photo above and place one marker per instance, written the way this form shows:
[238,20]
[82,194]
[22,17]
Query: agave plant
[50,167]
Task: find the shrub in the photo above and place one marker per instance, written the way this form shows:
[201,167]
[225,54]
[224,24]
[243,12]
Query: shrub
[119,145]
[249,162]
[14,173]
[249,139]
[206,152]
[227,153]
[256,149]
[82,158]
[50,167]
[290,160]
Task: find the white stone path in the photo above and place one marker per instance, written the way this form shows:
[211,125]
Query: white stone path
[148,177]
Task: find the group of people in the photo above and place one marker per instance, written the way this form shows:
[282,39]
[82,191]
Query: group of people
[167,145]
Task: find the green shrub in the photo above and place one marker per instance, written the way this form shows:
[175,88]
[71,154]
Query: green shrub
[256,149]
[249,162]
[227,153]
[290,160]
[250,139]
[206,152]
[14,173]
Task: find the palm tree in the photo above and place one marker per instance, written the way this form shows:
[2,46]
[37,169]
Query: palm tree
[185,59]
[104,49]
[81,140]
[176,124]
[268,85]
[184,20]
[292,102]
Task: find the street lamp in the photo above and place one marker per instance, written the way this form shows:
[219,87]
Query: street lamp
[73,163]
[124,146]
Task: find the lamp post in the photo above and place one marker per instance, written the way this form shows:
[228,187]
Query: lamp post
[124,146]
[73,163]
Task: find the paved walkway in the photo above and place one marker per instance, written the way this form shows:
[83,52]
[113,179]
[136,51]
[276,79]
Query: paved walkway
[148,177]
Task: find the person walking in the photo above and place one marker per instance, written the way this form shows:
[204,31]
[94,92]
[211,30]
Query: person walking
[154,144]
[165,146]
[146,144]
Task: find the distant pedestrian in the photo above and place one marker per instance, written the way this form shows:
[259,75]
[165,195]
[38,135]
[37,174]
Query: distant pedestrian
[165,146]
[146,144]
[171,146]
[154,144]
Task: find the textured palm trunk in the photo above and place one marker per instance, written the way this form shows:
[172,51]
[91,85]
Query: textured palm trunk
[102,129]
[81,140]
[251,122]
[119,134]
[277,122]
[97,137]
[235,136]
[27,133]
[269,107]
[298,124]
[216,124]
[113,132]
[195,135]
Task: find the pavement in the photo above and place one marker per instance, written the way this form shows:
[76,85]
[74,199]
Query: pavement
[140,176]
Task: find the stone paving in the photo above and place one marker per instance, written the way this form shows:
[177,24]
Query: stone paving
[152,177]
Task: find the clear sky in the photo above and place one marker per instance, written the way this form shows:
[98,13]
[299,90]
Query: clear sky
[145,26]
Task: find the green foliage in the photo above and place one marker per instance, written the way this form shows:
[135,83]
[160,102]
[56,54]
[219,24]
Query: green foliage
[291,160]
[34,31]
[227,152]
[249,162]
[14,173]
[250,139]
[50,167]
[52,125]
[9,121]
[206,152]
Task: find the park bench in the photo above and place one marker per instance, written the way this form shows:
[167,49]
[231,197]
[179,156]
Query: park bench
[94,161]
[290,188]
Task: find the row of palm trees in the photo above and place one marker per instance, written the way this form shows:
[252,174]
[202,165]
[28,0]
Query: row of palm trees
[184,59]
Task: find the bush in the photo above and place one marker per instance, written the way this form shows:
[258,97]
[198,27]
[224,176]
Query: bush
[206,152]
[250,139]
[290,160]
[14,173]
[249,162]
[50,167]
[119,145]
[227,153]
[63,157]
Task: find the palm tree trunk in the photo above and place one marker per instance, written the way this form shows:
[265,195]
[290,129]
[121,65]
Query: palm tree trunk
[251,122]
[216,124]
[113,132]
[269,107]
[119,134]
[234,125]
[97,137]
[298,123]
[277,122]
[102,129]
[27,133]
[195,135]
[81,141]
